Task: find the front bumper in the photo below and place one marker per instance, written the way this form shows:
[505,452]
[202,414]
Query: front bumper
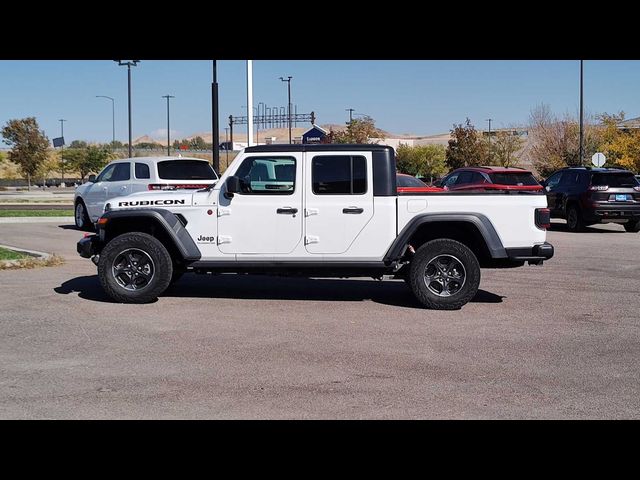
[88,246]
[534,255]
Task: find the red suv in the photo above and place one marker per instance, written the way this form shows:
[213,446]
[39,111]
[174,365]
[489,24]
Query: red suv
[408,184]
[491,178]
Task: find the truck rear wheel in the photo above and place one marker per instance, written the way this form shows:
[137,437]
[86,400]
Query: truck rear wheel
[444,274]
[135,268]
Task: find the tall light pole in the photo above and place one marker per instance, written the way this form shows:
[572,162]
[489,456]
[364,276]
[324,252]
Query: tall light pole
[258,122]
[350,110]
[581,115]
[249,102]
[62,120]
[215,120]
[288,80]
[113,118]
[168,124]
[226,142]
[129,64]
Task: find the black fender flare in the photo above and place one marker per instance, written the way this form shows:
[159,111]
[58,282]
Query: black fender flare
[478,220]
[166,220]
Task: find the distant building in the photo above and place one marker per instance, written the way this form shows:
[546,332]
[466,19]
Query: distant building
[631,124]
[314,135]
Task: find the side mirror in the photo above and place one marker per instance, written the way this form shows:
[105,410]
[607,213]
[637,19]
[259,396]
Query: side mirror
[233,185]
[437,183]
[543,183]
[92,178]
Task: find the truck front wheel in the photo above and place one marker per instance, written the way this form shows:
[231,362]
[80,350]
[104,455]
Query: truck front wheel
[444,274]
[135,268]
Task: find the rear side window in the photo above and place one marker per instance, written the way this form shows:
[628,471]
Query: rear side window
[516,178]
[142,171]
[185,170]
[626,179]
[121,173]
[339,175]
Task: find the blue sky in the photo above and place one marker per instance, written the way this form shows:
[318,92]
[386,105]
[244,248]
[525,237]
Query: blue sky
[418,97]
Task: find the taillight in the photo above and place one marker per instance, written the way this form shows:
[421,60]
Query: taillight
[543,218]
[599,187]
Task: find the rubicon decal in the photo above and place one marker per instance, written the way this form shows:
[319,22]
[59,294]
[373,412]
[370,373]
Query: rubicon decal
[142,203]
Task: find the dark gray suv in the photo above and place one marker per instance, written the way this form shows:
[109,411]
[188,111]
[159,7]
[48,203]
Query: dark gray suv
[586,196]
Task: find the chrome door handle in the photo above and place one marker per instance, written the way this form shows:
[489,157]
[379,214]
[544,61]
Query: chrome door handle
[353,210]
[287,211]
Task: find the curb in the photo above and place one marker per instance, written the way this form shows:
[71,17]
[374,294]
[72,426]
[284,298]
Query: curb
[37,220]
[32,253]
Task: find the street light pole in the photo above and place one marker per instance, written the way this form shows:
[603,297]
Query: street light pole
[215,120]
[62,120]
[581,114]
[113,118]
[288,80]
[226,142]
[129,64]
[350,110]
[168,124]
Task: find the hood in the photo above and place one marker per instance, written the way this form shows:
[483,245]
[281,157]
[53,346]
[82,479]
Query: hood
[163,198]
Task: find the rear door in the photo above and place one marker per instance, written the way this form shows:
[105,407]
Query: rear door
[553,189]
[339,200]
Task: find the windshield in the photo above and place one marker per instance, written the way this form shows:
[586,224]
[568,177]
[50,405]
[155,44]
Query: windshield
[409,181]
[186,170]
[515,178]
[618,179]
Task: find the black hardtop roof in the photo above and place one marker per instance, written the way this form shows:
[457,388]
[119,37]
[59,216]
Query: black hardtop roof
[317,147]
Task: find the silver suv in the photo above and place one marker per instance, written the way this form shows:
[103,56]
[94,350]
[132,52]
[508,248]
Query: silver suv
[140,174]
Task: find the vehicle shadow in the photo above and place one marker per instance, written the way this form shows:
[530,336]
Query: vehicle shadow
[260,287]
[562,227]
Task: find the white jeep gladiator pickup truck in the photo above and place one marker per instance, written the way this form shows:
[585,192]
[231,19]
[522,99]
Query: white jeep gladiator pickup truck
[316,211]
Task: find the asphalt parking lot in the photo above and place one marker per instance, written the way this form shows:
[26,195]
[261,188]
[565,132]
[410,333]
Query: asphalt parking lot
[557,341]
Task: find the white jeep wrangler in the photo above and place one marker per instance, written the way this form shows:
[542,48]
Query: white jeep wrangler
[316,211]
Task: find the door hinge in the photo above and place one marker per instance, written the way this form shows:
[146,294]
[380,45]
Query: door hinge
[311,239]
[311,211]
[223,211]
[223,239]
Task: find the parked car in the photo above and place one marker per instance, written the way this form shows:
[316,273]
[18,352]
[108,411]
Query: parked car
[140,174]
[490,178]
[408,184]
[586,196]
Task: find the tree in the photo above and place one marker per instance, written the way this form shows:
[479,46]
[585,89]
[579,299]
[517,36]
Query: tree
[48,166]
[29,145]
[78,144]
[361,130]
[421,160]
[506,149]
[622,148]
[198,143]
[86,160]
[466,148]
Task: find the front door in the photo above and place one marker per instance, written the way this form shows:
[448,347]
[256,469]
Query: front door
[96,194]
[339,201]
[120,182]
[266,217]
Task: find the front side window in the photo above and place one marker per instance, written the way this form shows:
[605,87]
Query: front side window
[268,175]
[106,174]
[451,180]
[554,180]
[339,175]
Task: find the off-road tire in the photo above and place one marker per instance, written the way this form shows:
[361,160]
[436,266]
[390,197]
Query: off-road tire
[162,267]
[81,217]
[632,226]
[426,254]
[575,223]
